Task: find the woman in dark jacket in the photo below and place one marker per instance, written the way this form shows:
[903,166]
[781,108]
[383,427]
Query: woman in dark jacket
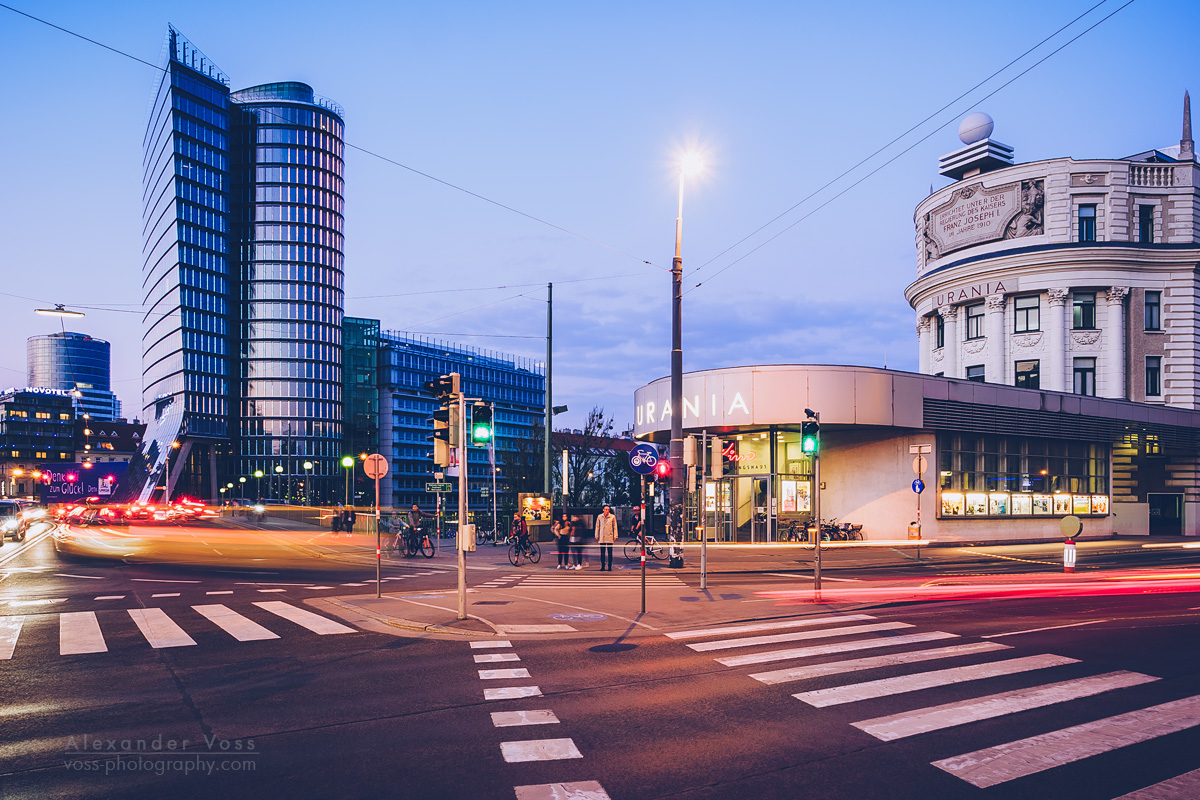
[561,528]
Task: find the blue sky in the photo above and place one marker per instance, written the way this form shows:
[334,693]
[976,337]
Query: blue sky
[574,113]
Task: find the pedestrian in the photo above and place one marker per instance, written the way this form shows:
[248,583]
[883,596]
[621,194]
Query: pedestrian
[606,534]
[349,520]
[576,538]
[635,530]
[561,528]
[337,519]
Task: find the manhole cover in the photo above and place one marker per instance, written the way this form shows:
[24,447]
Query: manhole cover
[577,616]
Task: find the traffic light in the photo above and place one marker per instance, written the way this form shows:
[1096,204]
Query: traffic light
[662,471]
[481,424]
[443,386]
[445,432]
[810,437]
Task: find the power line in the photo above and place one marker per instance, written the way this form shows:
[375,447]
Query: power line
[504,286]
[924,138]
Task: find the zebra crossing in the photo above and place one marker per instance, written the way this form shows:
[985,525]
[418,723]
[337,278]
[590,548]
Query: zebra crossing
[919,658]
[81,632]
[553,579]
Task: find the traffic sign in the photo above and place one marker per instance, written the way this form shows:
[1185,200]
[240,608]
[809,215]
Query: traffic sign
[485,491]
[643,458]
[920,464]
[918,485]
[437,487]
[376,466]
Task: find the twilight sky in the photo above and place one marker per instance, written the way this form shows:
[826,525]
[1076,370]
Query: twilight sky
[574,113]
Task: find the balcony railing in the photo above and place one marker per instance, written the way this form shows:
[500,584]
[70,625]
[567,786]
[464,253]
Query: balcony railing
[1151,175]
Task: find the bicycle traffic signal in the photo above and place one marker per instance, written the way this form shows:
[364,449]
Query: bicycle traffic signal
[443,386]
[481,424]
[810,437]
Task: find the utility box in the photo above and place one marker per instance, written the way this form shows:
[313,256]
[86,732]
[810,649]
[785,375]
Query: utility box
[466,538]
[914,530]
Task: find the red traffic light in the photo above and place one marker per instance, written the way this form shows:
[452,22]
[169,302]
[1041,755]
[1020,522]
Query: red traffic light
[662,469]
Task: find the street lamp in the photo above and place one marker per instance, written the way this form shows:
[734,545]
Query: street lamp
[258,473]
[348,463]
[308,465]
[167,482]
[279,484]
[242,481]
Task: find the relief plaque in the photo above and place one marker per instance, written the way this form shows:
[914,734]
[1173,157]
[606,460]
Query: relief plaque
[974,215]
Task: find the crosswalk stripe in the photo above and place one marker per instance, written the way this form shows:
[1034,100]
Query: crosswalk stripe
[539,750]
[885,687]
[503,674]
[489,658]
[512,693]
[79,632]
[872,662]
[923,720]
[1006,762]
[1181,787]
[509,719]
[159,629]
[489,643]
[579,790]
[314,622]
[764,626]
[830,649]
[233,623]
[10,629]
[825,633]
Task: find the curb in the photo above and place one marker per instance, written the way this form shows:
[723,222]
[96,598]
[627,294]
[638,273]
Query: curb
[359,613]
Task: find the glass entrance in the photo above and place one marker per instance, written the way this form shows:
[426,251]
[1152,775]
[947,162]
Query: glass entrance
[739,509]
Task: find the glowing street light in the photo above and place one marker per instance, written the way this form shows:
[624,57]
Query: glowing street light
[348,463]
[59,310]
[308,465]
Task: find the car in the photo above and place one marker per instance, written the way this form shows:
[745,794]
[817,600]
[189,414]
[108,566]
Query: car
[10,521]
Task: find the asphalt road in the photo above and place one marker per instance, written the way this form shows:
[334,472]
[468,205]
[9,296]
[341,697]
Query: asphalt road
[320,709]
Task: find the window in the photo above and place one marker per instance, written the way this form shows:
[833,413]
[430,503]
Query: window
[975,321]
[939,333]
[975,373]
[1084,310]
[1028,376]
[1085,376]
[1087,223]
[41,414]
[1153,376]
[1154,311]
[1027,314]
[1146,224]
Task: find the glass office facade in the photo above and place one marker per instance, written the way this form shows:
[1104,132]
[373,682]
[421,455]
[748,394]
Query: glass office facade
[74,362]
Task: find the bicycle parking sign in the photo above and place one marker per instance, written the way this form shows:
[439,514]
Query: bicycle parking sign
[642,458]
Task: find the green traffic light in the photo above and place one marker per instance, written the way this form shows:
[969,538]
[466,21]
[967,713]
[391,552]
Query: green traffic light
[808,444]
[481,433]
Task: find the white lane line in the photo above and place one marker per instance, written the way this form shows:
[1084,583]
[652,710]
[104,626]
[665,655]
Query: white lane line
[488,644]
[873,662]
[353,584]
[159,629]
[168,594]
[1181,787]
[314,622]
[268,591]
[534,628]
[79,632]
[224,591]
[30,541]
[502,674]
[539,750]
[885,687]
[764,626]
[10,629]
[809,576]
[825,633]
[233,623]
[934,718]
[1038,630]
[994,765]
[512,693]
[580,790]
[110,597]
[509,719]
[156,580]
[491,658]
[86,577]
[319,587]
[829,649]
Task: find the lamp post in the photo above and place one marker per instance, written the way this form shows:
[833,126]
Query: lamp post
[278,483]
[16,473]
[308,465]
[242,481]
[167,482]
[348,463]
[258,473]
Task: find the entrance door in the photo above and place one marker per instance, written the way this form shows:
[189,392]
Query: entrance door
[1166,514]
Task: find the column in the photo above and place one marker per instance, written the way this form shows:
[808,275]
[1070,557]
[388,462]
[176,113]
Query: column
[1114,343]
[950,349]
[924,345]
[995,366]
[1056,344]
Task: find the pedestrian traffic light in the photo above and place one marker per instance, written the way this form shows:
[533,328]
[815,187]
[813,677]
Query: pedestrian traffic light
[443,386]
[445,432]
[810,437]
[662,471]
[481,424]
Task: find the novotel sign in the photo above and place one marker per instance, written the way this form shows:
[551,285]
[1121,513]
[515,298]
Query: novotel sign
[39,390]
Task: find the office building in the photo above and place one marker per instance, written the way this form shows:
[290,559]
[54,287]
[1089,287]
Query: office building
[36,429]
[74,362]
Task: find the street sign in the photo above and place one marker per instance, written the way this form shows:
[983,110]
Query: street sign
[643,458]
[376,466]
[920,464]
[437,487]
[918,486]
[485,491]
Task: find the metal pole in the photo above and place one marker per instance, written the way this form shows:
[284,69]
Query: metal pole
[702,514]
[378,549]
[462,504]
[817,516]
[643,538]
[546,486]
[678,474]
[492,448]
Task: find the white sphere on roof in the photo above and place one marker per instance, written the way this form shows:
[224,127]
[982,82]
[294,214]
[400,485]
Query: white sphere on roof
[975,127]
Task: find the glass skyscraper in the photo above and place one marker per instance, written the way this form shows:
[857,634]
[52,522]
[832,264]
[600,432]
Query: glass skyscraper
[242,271]
[75,362]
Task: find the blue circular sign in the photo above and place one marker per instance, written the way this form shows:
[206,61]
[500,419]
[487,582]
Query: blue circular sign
[918,486]
[577,616]
[642,458]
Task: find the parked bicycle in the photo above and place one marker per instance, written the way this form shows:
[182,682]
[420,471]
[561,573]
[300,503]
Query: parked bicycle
[633,549]
[519,553]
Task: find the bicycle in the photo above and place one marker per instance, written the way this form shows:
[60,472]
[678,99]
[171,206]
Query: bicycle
[418,542]
[633,549]
[483,536]
[519,552]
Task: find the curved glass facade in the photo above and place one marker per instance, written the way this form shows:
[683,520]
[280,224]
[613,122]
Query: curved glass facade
[74,361]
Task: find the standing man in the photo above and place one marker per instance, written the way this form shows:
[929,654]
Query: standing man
[351,518]
[338,514]
[606,534]
[577,534]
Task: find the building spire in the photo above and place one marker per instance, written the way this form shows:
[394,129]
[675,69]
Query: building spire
[1187,148]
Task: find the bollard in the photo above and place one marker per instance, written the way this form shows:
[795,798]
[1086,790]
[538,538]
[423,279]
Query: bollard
[1070,527]
[1069,555]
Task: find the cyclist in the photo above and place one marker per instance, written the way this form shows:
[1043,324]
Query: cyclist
[520,529]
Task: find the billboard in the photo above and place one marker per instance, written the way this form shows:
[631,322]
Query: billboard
[71,483]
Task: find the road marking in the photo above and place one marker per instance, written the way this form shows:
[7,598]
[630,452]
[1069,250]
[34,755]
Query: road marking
[110,597]
[233,623]
[223,591]
[486,644]
[159,629]
[168,594]
[1010,558]
[994,765]
[268,591]
[581,790]
[1037,630]
[42,602]
[79,632]
[509,719]
[810,577]
[1182,787]
[512,693]
[489,658]
[885,687]
[535,628]
[10,629]
[318,587]
[750,641]
[934,718]
[314,622]
[29,542]
[156,580]
[828,649]
[85,577]
[539,750]
[764,626]
[502,674]
[353,584]
[872,662]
